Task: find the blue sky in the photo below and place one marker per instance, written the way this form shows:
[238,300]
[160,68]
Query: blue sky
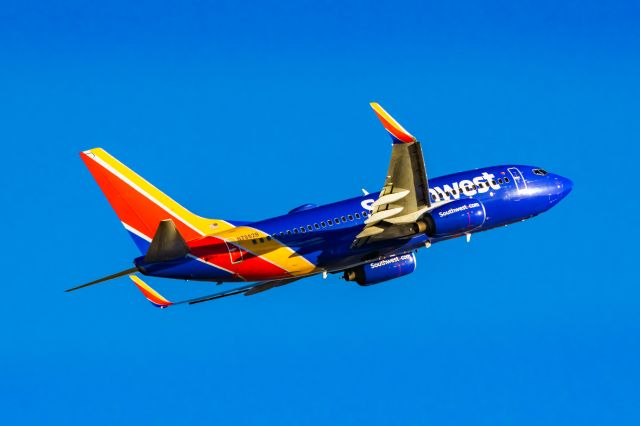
[244,111]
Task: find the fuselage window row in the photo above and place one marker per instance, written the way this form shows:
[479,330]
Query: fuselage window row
[363,214]
[310,228]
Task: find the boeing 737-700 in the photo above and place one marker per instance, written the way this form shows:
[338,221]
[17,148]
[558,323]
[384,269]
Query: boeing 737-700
[368,239]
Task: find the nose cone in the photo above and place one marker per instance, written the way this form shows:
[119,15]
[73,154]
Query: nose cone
[562,188]
[567,186]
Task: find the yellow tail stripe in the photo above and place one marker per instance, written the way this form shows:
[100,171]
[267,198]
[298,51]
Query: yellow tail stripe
[203,225]
[272,251]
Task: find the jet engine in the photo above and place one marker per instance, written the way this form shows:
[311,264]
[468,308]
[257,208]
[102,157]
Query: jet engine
[381,270]
[453,218]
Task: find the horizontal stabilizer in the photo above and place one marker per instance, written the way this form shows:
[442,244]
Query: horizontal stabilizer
[152,296]
[161,302]
[101,280]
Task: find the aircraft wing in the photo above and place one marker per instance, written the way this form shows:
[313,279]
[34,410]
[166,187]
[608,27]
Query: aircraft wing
[405,194]
[159,301]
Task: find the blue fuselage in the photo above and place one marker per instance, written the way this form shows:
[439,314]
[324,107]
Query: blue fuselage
[324,234]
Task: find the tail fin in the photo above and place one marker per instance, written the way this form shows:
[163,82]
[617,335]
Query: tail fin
[139,205]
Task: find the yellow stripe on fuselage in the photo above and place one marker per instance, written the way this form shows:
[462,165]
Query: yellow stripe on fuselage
[270,250]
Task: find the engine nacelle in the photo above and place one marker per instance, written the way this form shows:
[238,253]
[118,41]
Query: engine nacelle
[382,270]
[455,218]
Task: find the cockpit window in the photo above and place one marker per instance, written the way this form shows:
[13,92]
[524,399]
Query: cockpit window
[539,172]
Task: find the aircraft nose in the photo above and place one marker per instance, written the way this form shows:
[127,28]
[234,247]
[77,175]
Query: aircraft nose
[563,187]
[567,185]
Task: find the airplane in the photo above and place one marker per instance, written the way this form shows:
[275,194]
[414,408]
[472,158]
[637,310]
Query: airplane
[369,239]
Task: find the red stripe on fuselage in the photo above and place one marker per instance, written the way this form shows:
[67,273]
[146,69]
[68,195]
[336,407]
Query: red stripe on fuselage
[251,268]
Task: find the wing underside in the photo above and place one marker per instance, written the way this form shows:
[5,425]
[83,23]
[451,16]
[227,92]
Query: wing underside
[404,198]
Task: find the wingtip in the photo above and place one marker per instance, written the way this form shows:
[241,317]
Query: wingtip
[398,133]
[152,296]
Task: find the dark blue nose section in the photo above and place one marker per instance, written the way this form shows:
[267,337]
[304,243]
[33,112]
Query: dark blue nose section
[561,188]
[567,186]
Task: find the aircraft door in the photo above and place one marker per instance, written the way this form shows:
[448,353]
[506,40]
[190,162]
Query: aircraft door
[518,178]
[235,253]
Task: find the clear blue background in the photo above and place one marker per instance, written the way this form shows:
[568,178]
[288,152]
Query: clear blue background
[243,111]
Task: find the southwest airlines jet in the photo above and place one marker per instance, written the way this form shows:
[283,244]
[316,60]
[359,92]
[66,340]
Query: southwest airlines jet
[368,239]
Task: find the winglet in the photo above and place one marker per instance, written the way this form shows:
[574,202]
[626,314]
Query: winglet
[397,132]
[152,296]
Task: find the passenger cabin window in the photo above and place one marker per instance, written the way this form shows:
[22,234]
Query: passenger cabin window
[330,222]
[344,219]
[295,230]
[350,217]
[500,181]
[302,229]
[324,225]
[357,215]
[336,220]
[364,214]
[506,180]
[310,228]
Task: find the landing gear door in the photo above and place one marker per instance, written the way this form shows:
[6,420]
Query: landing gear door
[518,178]
[235,253]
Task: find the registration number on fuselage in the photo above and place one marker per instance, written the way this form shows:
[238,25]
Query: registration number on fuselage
[249,236]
